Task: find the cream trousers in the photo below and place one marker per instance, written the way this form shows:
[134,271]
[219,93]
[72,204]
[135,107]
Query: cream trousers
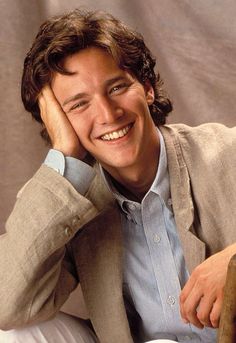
[62,329]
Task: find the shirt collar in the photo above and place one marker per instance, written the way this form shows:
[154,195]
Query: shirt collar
[160,185]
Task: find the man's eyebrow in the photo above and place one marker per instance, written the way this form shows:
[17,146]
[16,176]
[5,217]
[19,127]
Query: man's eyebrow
[115,79]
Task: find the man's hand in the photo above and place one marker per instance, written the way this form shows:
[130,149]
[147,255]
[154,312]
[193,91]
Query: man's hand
[61,132]
[202,296]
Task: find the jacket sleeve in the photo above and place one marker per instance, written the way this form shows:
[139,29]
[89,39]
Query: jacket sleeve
[36,273]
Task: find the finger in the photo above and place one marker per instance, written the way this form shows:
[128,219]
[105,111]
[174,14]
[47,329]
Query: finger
[216,311]
[189,308]
[188,286]
[48,104]
[47,91]
[41,100]
[43,97]
[48,96]
[204,309]
[42,106]
[184,295]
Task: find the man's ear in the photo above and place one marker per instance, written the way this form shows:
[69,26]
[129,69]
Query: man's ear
[150,96]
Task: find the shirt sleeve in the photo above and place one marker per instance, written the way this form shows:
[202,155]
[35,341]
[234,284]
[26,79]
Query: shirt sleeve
[78,173]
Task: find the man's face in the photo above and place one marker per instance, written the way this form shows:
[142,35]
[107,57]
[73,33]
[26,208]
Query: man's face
[108,109]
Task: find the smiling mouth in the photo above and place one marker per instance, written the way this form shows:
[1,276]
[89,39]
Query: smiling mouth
[116,134]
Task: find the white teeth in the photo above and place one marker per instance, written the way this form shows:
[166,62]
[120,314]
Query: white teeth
[116,134]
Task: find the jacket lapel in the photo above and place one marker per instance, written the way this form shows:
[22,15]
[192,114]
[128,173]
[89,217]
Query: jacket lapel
[98,257]
[193,247]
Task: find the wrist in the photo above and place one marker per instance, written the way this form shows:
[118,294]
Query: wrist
[70,151]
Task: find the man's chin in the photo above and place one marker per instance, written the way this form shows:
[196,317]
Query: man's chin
[117,164]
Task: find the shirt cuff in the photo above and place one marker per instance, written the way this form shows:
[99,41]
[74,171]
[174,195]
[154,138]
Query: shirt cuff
[78,173]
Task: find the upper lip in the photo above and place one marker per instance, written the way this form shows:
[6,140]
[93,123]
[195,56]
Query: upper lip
[117,129]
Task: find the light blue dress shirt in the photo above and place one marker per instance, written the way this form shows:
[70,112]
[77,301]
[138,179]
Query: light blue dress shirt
[154,266]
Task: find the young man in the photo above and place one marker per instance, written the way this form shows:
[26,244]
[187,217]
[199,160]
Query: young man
[147,230]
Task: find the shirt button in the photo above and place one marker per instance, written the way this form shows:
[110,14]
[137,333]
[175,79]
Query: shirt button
[156,238]
[187,338]
[68,231]
[128,217]
[131,206]
[170,300]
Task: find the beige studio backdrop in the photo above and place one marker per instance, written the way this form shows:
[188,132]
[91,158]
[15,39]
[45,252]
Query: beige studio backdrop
[195,45]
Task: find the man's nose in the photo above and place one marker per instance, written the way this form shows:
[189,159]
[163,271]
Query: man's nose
[108,111]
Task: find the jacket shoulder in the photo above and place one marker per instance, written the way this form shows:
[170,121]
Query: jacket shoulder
[210,138]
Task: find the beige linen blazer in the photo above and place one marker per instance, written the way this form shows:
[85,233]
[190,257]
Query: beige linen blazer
[56,238]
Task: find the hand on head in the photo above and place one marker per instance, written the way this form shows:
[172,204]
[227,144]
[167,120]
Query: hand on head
[61,132]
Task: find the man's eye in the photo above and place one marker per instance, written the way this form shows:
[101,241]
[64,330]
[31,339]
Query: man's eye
[118,88]
[79,105]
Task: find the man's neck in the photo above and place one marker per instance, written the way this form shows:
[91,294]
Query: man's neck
[135,182]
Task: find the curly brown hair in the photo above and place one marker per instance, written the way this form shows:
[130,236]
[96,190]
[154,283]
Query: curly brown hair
[64,35]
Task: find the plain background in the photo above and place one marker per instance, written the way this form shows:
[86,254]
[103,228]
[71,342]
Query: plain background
[195,45]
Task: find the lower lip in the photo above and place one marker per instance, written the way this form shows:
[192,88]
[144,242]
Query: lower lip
[120,139]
